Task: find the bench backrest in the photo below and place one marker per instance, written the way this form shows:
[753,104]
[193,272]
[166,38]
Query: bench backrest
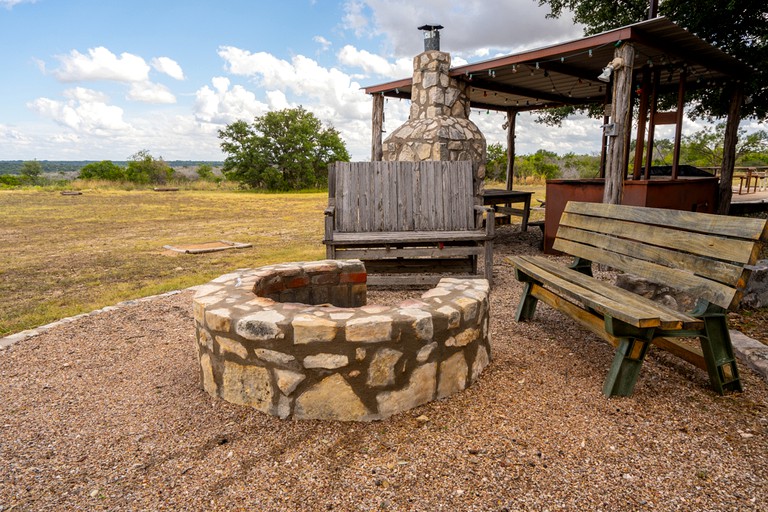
[401,196]
[702,254]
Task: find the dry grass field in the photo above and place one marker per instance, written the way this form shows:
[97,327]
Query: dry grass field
[64,255]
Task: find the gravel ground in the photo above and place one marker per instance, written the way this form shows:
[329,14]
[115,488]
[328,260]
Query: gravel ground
[106,413]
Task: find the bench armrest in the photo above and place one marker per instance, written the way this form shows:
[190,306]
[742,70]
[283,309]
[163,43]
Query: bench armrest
[490,220]
[330,211]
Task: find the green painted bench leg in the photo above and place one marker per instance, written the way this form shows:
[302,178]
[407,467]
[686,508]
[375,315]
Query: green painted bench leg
[527,306]
[718,353]
[625,368]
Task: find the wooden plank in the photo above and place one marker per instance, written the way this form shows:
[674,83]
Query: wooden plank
[404,192]
[595,324]
[717,247]
[693,355]
[723,225]
[697,286]
[713,269]
[665,118]
[395,237]
[392,197]
[591,322]
[378,185]
[600,303]
[670,318]
[394,252]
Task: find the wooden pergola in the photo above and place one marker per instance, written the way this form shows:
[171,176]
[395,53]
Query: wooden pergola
[647,59]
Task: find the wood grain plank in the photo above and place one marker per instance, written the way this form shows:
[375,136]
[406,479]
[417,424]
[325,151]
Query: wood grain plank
[711,246]
[723,225]
[670,318]
[682,280]
[600,303]
[716,270]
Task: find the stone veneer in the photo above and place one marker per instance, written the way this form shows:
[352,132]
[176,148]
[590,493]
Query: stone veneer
[438,127]
[296,340]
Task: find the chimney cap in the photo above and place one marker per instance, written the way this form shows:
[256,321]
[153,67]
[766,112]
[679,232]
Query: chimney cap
[430,27]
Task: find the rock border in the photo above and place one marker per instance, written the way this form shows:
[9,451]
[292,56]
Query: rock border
[296,340]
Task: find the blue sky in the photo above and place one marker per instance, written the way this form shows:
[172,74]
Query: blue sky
[103,79]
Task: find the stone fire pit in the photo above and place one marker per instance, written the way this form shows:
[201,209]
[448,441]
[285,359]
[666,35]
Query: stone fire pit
[297,340]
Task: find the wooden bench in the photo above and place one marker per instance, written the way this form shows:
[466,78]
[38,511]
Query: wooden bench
[706,256]
[409,222]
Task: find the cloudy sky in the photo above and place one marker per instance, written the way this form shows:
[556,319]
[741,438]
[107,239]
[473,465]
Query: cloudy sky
[97,79]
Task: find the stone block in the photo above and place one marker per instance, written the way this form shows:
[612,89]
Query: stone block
[421,323]
[424,352]
[287,380]
[275,357]
[482,358]
[419,390]
[326,361]
[206,371]
[331,399]
[453,375]
[313,329]
[371,329]
[260,326]
[230,346]
[381,371]
[247,385]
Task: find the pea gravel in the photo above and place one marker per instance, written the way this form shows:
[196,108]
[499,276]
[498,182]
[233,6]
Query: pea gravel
[106,413]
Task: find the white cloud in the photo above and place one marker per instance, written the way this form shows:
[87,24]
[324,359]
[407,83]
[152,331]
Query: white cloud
[370,63]
[354,19]
[9,4]
[148,92]
[323,42]
[169,67]
[101,64]
[85,111]
[13,137]
[222,105]
[470,25]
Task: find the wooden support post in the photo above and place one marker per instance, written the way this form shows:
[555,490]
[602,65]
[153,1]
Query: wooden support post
[377,128]
[511,121]
[679,124]
[729,150]
[621,108]
[652,124]
[642,118]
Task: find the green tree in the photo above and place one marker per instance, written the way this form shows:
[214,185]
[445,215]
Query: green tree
[205,172]
[288,149]
[738,27]
[144,168]
[496,162]
[104,170]
[705,147]
[31,172]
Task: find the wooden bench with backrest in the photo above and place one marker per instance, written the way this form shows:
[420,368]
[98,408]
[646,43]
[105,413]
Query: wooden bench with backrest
[408,221]
[706,256]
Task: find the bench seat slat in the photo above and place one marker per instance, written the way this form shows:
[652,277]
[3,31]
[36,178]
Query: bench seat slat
[407,236]
[736,227]
[670,318]
[588,297]
[720,248]
[716,293]
[624,305]
[720,271]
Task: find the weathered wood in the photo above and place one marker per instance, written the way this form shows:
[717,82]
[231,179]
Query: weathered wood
[642,119]
[707,256]
[384,210]
[621,115]
[729,150]
[511,127]
[737,227]
[679,113]
[377,127]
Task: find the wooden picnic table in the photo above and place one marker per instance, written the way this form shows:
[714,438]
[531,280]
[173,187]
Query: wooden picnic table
[502,201]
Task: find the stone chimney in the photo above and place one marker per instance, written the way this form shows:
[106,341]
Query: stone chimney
[438,127]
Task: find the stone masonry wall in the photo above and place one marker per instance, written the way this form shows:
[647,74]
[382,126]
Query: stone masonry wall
[438,127]
[336,358]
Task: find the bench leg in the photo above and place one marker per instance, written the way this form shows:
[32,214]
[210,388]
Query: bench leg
[626,365]
[527,306]
[718,352]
